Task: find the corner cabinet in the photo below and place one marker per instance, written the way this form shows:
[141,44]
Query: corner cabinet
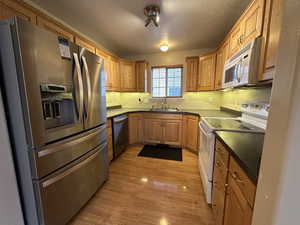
[135,128]
[192,71]
[207,69]
[190,132]
[128,76]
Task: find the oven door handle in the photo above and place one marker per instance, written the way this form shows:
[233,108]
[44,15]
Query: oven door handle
[203,131]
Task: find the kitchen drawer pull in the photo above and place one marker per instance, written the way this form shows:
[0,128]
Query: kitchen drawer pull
[236,178]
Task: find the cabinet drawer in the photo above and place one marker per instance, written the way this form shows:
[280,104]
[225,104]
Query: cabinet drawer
[247,187]
[163,116]
[221,153]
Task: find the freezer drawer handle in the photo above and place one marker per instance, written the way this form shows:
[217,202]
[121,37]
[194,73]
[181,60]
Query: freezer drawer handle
[89,89]
[71,170]
[80,83]
[70,143]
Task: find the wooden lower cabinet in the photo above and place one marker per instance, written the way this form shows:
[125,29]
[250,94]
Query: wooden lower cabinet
[135,128]
[153,131]
[190,132]
[163,129]
[172,132]
[109,139]
[233,192]
[237,209]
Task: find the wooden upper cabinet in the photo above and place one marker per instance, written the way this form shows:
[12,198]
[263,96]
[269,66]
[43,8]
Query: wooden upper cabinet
[107,69]
[10,8]
[115,74]
[207,69]
[141,69]
[128,76]
[235,39]
[221,57]
[252,22]
[248,27]
[85,44]
[55,28]
[271,34]
[192,71]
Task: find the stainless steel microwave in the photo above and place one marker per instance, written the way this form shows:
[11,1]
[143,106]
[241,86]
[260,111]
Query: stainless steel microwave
[242,68]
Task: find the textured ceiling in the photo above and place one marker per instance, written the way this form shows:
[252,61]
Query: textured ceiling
[119,24]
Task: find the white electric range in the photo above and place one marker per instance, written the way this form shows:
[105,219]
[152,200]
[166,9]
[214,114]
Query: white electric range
[253,120]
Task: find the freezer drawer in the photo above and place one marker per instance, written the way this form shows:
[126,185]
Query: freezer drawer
[63,194]
[57,155]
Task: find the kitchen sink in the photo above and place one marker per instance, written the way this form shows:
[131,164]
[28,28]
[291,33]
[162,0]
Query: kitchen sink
[165,110]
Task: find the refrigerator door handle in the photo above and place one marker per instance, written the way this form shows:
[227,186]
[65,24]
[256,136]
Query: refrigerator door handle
[88,82]
[80,83]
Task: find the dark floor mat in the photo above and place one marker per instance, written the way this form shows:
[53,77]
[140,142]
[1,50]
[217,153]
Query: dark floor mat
[161,152]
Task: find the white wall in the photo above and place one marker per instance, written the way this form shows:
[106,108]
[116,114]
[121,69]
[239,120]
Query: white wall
[278,198]
[10,208]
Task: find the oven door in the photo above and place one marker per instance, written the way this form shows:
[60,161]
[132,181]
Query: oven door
[206,159]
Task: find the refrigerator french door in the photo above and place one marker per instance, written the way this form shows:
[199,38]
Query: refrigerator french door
[55,101]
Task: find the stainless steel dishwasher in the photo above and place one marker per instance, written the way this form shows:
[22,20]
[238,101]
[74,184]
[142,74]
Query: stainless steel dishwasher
[120,134]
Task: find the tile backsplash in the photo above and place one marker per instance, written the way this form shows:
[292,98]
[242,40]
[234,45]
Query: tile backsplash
[192,100]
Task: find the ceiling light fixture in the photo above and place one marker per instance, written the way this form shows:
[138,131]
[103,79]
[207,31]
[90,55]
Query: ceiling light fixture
[164,47]
[152,13]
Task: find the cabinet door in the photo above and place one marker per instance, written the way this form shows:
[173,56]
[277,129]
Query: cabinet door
[206,80]
[219,68]
[190,132]
[252,22]
[172,132]
[115,74]
[235,40]
[141,68]
[237,209]
[271,34]
[192,71]
[153,131]
[135,128]
[85,44]
[218,202]
[55,28]
[9,9]
[128,78]
[108,77]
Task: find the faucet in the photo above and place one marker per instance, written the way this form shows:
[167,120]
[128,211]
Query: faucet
[164,105]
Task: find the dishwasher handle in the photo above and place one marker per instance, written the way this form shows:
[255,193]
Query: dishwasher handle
[119,120]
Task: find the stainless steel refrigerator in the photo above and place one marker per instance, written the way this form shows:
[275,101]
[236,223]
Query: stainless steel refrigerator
[55,103]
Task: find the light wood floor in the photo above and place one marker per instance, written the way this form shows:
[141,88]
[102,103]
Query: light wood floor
[146,191]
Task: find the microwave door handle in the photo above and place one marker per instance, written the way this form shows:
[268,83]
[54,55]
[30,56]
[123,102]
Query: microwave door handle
[80,85]
[88,82]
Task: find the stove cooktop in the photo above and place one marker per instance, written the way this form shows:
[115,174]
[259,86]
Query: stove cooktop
[231,124]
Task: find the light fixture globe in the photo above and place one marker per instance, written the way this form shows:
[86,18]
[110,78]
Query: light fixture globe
[164,47]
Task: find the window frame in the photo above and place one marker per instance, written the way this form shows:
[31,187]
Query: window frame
[167,67]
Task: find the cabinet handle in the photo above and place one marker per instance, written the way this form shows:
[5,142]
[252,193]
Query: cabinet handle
[236,178]
[218,164]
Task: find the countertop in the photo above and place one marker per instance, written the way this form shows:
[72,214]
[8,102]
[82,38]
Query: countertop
[246,148]
[203,113]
